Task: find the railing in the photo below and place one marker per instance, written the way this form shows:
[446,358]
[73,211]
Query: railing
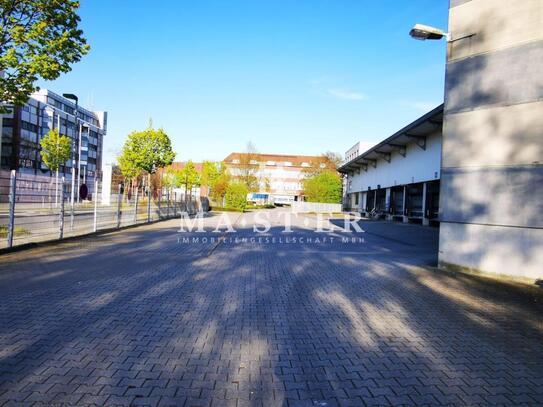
[38,208]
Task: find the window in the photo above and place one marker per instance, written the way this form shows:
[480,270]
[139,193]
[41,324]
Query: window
[322,165]
[253,162]
[235,161]
[288,164]
[304,164]
[270,163]
[69,109]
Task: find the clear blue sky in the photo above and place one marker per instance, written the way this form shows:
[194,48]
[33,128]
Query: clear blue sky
[299,77]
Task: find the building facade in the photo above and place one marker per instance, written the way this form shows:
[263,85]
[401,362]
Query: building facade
[492,168]
[398,178]
[23,128]
[279,177]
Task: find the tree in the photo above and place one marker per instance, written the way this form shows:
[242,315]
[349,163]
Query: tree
[213,174]
[38,39]
[324,187]
[190,177]
[248,167]
[219,189]
[332,160]
[172,178]
[146,151]
[236,196]
[328,161]
[55,151]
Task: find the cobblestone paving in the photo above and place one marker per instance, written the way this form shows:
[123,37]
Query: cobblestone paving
[140,317]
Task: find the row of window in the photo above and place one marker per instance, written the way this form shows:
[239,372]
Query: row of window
[272,163]
[68,109]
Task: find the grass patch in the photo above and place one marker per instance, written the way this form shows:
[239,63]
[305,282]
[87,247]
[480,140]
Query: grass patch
[225,209]
[17,231]
[267,206]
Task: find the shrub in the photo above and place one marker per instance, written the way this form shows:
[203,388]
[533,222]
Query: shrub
[236,195]
[324,187]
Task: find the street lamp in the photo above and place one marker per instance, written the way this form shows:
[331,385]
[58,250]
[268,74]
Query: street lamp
[425,32]
[76,99]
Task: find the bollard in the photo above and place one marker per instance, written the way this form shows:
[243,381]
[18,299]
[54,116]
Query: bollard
[136,206]
[61,212]
[72,199]
[95,220]
[168,204]
[119,201]
[158,202]
[148,203]
[12,188]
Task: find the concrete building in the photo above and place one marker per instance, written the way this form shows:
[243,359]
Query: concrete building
[398,178]
[492,172]
[23,128]
[279,176]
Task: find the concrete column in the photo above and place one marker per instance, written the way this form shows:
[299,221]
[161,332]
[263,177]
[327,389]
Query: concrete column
[404,209]
[387,203]
[1,131]
[425,220]
[363,201]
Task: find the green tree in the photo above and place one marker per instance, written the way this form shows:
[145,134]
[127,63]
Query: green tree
[219,188]
[190,177]
[236,195]
[214,175]
[145,151]
[172,178]
[38,39]
[247,168]
[55,151]
[324,187]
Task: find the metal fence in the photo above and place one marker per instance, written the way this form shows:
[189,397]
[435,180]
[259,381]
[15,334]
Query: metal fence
[305,207]
[38,209]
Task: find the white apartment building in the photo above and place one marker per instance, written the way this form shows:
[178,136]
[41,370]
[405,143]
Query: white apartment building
[279,176]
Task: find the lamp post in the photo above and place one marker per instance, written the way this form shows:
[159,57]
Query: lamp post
[78,132]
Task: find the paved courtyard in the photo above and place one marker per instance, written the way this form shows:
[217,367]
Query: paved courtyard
[149,316]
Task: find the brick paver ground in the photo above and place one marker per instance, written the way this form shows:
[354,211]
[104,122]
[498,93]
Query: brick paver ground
[140,317]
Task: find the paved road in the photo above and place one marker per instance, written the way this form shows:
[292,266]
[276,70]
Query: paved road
[145,317]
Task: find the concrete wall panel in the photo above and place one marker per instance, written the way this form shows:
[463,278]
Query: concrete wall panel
[497,24]
[495,136]
[499,250]
[511,76]
[417,166]
[511,196]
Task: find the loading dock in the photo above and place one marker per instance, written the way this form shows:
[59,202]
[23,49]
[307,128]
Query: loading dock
[399,178]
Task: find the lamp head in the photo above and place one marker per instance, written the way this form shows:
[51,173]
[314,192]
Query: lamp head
[426,32]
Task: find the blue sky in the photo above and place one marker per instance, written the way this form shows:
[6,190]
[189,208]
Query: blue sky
[292,76]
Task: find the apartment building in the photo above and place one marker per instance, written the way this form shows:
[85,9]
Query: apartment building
[279,177]
[23,128]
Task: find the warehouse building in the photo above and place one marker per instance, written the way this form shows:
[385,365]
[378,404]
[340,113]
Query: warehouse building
[399,178]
